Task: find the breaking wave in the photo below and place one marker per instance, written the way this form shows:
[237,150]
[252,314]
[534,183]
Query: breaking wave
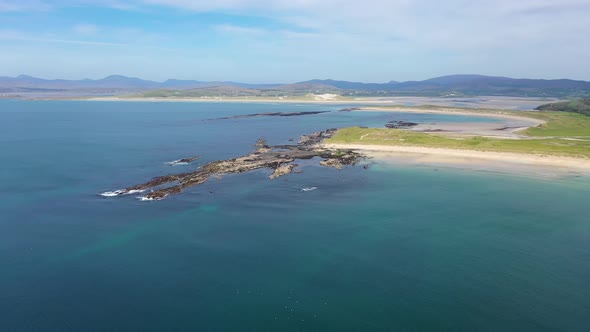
[136,191]
[112,193]
[148,199]
[178,162]
[309,189]
[120,192]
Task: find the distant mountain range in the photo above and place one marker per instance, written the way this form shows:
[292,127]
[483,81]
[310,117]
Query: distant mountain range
[453,85]
[111,82]
[471,85]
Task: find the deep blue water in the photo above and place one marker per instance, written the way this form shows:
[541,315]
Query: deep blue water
[391,247]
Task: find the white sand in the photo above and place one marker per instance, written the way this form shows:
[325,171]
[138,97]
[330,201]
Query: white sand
[325,96]
[455,156]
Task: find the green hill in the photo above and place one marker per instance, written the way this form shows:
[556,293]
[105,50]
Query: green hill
[581,106]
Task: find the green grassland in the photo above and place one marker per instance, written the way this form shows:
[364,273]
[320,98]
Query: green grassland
[581,106]
[559,124]
[563,134]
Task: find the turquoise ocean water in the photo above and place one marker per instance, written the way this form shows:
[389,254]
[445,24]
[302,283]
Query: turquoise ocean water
[388,248]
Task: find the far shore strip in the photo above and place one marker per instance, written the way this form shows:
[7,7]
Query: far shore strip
[457,111]
[383,151]
[317,99]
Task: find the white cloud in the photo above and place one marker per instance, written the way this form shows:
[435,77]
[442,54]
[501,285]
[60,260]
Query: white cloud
[24,5]
[86,29]
[239,30]
[449,24]
[504,37]
[21,36]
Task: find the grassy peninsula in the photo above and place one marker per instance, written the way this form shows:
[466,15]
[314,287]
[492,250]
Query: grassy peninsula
[581,106]
[563,134]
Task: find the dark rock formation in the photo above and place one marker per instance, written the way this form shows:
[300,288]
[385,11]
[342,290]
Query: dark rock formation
[279,158]
[400,124]
[183,161]
[272,114]
[436,131]
[506,128]
[316,137]
[282,170]
[350,109]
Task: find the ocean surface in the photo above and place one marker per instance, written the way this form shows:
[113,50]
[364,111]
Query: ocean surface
[391,247]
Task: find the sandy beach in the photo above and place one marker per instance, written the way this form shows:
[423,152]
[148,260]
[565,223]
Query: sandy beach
[508,128]
[426,155]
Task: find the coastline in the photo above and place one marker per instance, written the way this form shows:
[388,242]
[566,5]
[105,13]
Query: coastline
[467,157]
[362,101]
[426,154]
[486,159]
[239,100]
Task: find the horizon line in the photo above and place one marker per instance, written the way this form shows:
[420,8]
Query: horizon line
[304,81]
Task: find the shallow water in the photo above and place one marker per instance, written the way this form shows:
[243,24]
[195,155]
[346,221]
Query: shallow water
[391,247]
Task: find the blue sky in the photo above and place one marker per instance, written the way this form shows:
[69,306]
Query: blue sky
[293,40]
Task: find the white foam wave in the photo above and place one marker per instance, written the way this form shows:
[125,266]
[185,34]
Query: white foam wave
[135,191]
[148,199]
[309,189]
[113,193]
[176,163]
[120,192]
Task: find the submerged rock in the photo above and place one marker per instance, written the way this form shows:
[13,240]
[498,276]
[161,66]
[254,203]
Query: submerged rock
[350,109]
[337,164]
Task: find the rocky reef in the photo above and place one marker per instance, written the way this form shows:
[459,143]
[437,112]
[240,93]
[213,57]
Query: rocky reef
[183,161]
[279,158]
[350,109]
[282,114]
[399,124]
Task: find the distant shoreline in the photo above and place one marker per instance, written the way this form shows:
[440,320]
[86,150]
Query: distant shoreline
[240,100]
[486,102]
[479,102]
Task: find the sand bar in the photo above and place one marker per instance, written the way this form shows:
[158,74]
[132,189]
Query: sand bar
[456,111]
